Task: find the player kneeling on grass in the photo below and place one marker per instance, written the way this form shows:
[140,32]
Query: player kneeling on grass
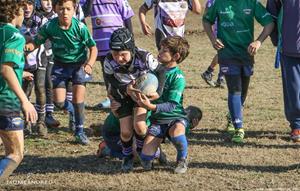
[70,39]
[122,66]
[11,93]
[111,145]
[168,118]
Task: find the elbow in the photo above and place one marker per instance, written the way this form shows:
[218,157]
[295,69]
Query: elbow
[94,49]
[142,10]
[4,70]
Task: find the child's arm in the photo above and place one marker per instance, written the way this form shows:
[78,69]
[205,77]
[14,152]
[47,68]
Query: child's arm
[144,101]
[128,25]
[216,43]
[142,17]
[196,7]
[172,97]
[254,46]
[88,67]
[10,77]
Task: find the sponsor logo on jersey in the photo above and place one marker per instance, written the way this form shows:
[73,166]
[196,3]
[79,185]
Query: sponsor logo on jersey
[227,24]
[179,76]
[247,11]
[229,12]
[224,69]
[98,21]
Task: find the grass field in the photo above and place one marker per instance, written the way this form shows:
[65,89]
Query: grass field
[267,160]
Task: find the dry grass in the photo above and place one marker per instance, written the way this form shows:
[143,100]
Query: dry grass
[267,160]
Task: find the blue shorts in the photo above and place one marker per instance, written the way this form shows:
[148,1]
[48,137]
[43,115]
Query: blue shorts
[162,130]
[234,69]
[11,123]
[63,73]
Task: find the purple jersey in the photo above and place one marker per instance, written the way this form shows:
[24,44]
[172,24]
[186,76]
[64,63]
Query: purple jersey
[107,16]
[209,3]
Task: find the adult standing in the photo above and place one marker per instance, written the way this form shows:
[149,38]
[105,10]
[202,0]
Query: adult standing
[287,38]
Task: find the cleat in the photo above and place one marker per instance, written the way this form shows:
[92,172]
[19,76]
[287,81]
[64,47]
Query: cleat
[220,83]
[295,135]
[147,165]
[81,138]
[51,122]
[103,150]
[127,164]
[181,167]
[229,128]
[207,77]
[238,136]
[42,130]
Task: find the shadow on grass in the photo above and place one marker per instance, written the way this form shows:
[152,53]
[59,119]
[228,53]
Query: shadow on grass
[101,83]
[56,130]
[215,137]
[236,167]
[96,108]
[82,164]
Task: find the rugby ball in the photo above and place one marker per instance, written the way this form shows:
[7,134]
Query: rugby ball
[147,83]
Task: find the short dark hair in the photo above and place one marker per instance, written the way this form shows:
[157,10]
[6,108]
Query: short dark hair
[60,2]
[193,112]
[9,9]
[177,44]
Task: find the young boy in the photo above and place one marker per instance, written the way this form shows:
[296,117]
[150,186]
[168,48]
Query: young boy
[169,17]
[35,63]
[168,118]
[46,9]
[12,97]
[236,49]
[70,39]
[122,66]
[107,16]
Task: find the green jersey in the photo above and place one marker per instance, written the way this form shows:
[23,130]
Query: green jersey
[235,25]
[11,47]
[173,92]
[113,123]
[68,46]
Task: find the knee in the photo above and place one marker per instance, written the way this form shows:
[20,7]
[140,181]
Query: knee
[140,128]
[59,105]
[234,90]
[17,156]
[126,135]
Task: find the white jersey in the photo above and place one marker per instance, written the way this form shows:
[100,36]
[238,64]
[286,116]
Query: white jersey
[170,15]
